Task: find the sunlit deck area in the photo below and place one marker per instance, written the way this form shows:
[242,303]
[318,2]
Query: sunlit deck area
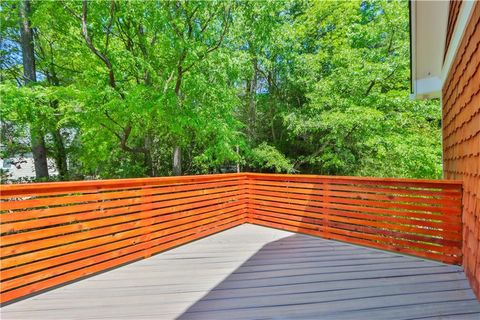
[254,272]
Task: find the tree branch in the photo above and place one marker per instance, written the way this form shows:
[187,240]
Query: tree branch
[92,48]
[111,119]
[111,130]
[210,16]
[370,87]
[109,26]
[165,87]
[73,13]
[316,153]
[189,21]
[174,26]
[217,45]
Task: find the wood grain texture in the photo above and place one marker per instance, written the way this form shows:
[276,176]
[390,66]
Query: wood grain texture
[416,217]
[461,139]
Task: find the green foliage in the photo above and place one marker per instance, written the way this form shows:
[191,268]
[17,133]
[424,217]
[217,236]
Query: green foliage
[265,157]
[358,118]
[297,86]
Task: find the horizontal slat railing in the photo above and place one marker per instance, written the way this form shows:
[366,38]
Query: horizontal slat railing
[52,233]
[416,217]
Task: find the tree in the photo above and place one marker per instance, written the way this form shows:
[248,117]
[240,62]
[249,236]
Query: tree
[129,89]
[39,150]
[199,29]
[358,116]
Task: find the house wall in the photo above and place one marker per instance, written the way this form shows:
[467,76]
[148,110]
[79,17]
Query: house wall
[461,139]
[453,11]
[22,168]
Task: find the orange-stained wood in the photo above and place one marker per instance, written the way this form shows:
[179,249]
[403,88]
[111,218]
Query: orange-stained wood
[58,243]
[33,277]
[461,133]
[417,217]
[392,190]
[453,11]
[406,239]
[37,286]
[47,188]
[132,205]
[360,241]
[160,202]
[95,219]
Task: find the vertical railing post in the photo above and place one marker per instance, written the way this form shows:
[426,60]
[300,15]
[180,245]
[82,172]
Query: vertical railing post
[326,190]
[248,206]
[145,199]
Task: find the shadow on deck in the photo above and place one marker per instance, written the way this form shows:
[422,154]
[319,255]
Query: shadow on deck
[304,277]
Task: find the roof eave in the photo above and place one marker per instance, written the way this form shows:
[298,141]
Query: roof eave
[428,27]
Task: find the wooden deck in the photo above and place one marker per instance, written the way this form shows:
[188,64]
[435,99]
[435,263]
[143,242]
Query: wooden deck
[253,272]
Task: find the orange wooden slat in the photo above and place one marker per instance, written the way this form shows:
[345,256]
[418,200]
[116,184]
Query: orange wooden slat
[124,240]
[391,198]
[396,182]
[428,255]
[137,212]
[154,202]
[64,191]
[137,194]
[427,220]
[331,224]
[349,231]
[333,206]
[79,208]
[394,223]
[28,289]
[377,204]
[81,240]
[38,188]
[150,241]
[396,190]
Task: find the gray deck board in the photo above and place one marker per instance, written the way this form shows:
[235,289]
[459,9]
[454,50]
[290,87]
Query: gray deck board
[252,272]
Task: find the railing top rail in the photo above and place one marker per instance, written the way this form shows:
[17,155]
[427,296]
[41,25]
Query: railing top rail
[130,182]
[357,178]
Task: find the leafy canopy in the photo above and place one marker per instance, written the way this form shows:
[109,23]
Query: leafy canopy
[280,86]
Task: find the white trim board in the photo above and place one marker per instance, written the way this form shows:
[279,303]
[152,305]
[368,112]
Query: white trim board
[466,11]
[427,88]
[428,33]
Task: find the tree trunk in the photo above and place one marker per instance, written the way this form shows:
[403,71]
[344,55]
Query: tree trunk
[39,150]
[272,90]
[177,161]
[27,43]
[147,155]
[60,155]
[238,162]
[252,108]
[177,150]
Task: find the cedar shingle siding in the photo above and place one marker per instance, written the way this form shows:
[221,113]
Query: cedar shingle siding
[453,11]
[461,138]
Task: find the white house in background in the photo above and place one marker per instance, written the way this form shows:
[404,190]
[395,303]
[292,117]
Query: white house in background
[23,167]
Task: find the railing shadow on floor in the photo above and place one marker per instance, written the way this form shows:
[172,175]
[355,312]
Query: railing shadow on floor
[304,277]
